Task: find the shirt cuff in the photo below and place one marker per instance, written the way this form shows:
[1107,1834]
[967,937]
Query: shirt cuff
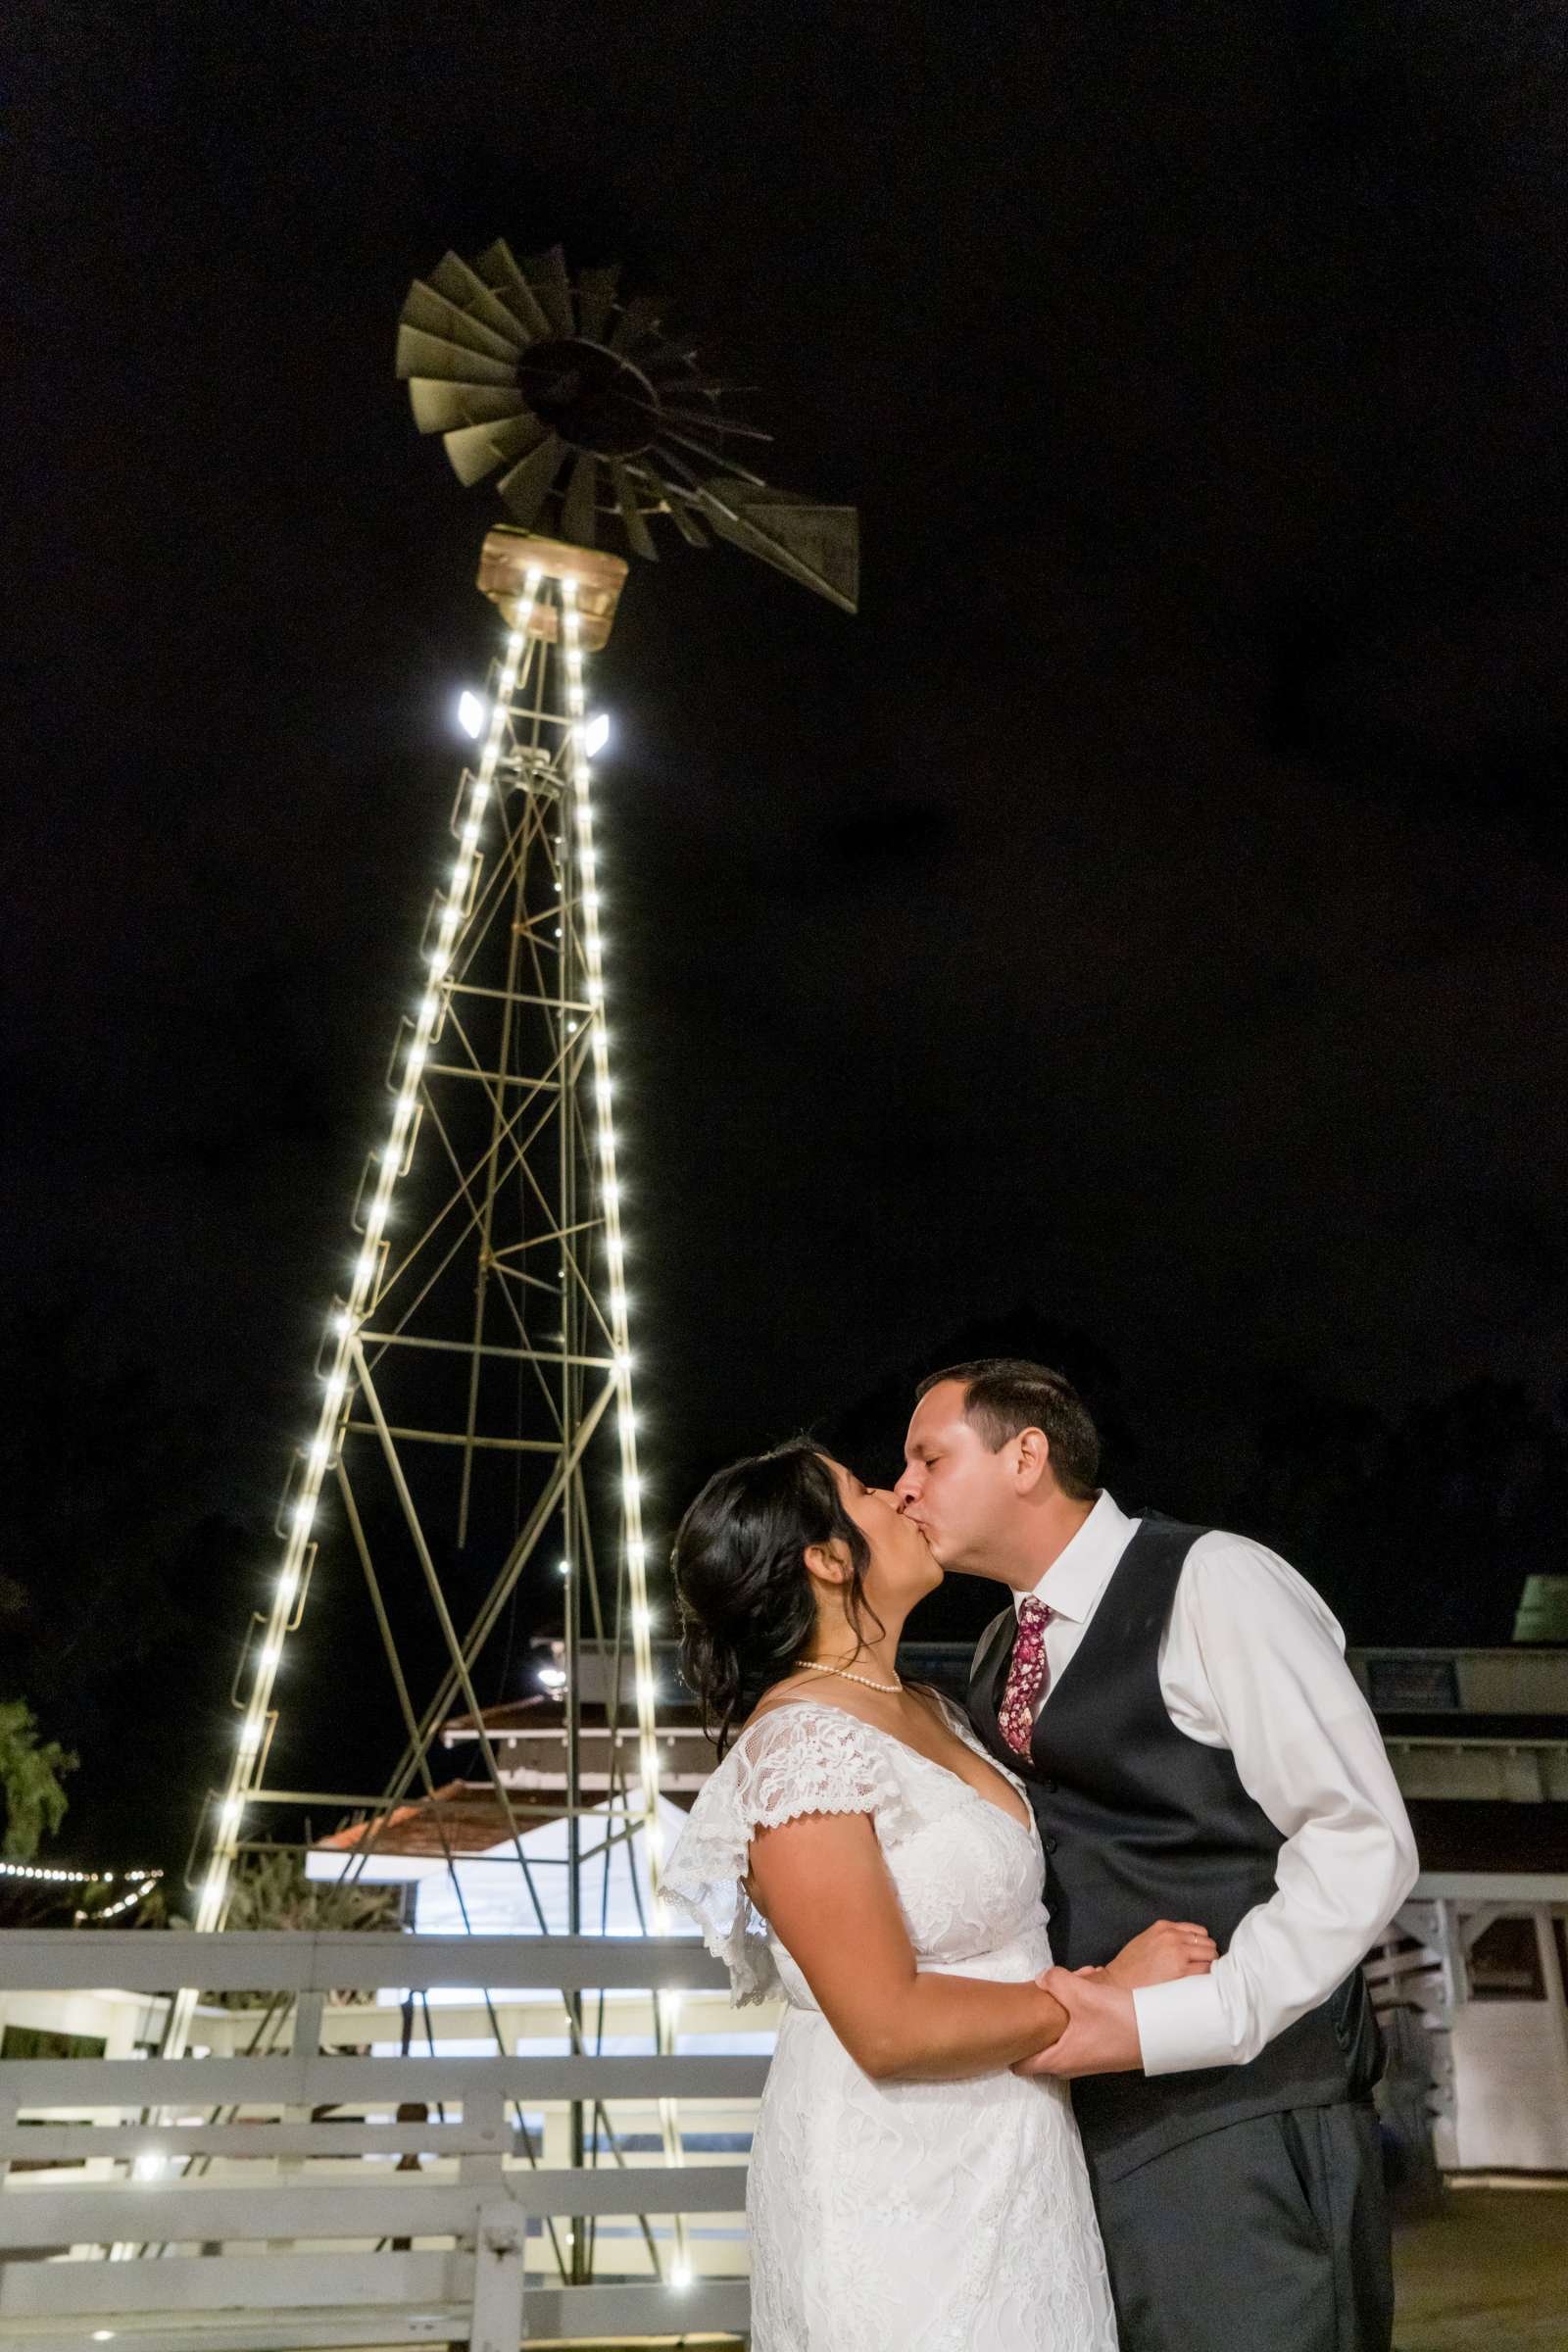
[1182,2024]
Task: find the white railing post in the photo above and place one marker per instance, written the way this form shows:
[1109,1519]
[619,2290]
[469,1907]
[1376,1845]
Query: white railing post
[500,2243]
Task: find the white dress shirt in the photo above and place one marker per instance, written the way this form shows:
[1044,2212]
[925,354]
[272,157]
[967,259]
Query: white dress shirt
[1252,1660]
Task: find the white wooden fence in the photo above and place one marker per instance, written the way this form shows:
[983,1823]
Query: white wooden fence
[208,2204]
[271,2198]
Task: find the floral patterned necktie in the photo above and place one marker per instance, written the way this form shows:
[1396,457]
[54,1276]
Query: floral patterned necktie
[1026,1675]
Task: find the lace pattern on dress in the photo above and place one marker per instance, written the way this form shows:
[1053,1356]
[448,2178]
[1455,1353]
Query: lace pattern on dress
[793,1760]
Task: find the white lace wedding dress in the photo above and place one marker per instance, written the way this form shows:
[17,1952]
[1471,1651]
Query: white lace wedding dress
[897,2217]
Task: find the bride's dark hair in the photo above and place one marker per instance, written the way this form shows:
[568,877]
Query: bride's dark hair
[742,1586]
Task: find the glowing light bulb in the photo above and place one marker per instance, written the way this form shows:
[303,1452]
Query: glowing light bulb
[471,713]
[597,734]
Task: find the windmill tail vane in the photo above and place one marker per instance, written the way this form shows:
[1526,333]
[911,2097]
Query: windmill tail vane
[594,417]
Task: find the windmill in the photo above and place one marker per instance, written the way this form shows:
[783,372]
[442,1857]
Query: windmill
[594,413]
[476,1444]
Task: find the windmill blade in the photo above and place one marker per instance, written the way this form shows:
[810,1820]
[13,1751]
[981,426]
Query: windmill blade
[710,420]
[546,274]
[478,448]
[686,522]
[497,267]
[639,538]
[595,292]
[440,408]
[816,545]
[419,354]
[431,312]
[710,455]
[452,278]
[579,506]
[526,488]
[639,318]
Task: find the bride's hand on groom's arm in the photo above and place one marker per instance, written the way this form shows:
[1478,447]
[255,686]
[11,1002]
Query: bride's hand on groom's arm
[1170,1949]
[1100,2037]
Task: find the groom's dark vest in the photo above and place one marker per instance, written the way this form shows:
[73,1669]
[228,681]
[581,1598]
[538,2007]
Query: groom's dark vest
[1138,1822]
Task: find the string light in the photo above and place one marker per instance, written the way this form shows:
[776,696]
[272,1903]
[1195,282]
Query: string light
[582,741]
[54,1874]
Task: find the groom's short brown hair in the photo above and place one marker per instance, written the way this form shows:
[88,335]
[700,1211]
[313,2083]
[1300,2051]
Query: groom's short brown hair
[1003,1393]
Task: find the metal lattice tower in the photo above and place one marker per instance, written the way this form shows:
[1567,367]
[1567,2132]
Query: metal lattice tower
[476,1424]
[495,1322]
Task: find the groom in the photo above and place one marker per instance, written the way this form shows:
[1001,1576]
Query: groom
[1177,1703]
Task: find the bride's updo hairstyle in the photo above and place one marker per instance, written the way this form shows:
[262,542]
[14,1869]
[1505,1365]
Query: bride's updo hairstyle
[745,1593]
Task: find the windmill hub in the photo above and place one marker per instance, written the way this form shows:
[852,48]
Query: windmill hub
[593,398]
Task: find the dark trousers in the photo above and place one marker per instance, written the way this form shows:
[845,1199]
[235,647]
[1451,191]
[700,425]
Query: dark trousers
[1268,2235]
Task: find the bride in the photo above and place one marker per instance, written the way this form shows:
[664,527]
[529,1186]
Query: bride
[857,1851]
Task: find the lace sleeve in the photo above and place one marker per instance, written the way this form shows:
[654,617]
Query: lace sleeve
[796,1760]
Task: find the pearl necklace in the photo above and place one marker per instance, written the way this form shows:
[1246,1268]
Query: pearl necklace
[817,1668]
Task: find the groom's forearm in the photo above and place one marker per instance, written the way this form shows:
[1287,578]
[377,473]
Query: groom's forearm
[1286,1955]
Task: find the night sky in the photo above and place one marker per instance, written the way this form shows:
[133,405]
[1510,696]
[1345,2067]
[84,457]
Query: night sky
[1143,926]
